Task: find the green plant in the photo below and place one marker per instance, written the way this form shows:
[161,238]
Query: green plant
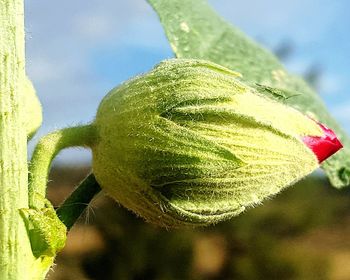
[191,142]
[187,143]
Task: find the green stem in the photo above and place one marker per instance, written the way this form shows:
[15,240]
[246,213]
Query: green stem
[16,259]
[76,203]
[46,150]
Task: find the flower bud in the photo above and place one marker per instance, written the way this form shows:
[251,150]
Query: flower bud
[33,111]
[188,143]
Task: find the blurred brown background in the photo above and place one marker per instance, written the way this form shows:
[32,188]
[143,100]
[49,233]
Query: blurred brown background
[303,233]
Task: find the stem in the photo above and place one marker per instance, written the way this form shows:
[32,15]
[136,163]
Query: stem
[45,151]
[76,203]
[16,259]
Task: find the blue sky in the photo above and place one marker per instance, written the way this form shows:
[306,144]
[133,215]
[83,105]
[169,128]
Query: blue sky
[78,50]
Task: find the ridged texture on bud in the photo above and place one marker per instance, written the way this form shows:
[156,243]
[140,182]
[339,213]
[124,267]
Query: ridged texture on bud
[188,143]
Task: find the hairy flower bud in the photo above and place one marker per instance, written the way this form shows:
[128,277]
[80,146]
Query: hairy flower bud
[188,143]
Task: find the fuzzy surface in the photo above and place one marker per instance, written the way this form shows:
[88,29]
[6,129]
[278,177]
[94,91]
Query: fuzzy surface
[195,30]
[188,143]
[16,257]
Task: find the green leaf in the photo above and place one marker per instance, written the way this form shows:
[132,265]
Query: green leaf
[46,232]
[194,30]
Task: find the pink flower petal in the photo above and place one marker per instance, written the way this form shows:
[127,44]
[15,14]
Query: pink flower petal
[324,146]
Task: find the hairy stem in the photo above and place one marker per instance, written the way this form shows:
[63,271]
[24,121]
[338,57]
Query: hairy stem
[16,259]
[46,150]
[76,203]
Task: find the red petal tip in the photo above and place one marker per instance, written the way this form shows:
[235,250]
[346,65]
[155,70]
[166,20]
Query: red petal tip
[324,146]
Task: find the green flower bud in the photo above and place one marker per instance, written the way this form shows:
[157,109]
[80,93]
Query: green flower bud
[188,143]
[33,111]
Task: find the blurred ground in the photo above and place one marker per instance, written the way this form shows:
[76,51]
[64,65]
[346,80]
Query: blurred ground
[302,233]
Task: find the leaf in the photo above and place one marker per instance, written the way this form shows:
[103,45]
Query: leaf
[46,232]
[195,30]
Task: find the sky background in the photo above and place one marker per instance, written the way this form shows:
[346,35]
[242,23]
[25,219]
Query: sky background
[79,50]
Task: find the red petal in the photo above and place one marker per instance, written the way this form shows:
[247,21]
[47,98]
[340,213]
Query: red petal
[324,146]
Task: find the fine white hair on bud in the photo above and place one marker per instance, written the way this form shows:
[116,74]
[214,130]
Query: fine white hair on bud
[189,143]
